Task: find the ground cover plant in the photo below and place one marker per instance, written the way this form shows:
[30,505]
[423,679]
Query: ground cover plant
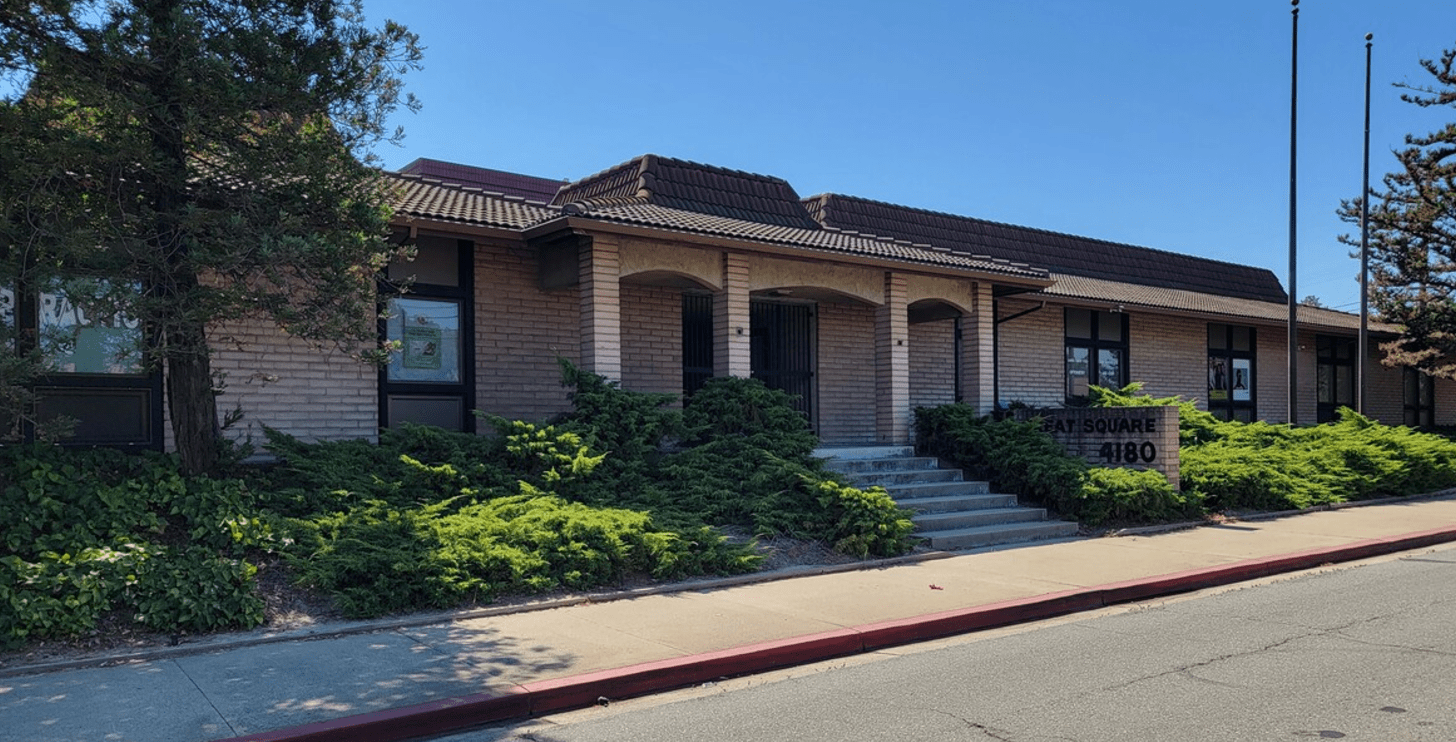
[91,532]
[625,484]
[1224,466]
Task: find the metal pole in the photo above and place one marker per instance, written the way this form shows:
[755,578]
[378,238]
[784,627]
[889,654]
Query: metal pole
[1293,291]
[1360,369]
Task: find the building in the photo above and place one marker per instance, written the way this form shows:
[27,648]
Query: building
[661,273]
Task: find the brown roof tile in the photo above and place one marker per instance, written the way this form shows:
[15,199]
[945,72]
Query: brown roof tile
[690,186]
[1251,310]
[428,198]
[1062,253]
[528,187]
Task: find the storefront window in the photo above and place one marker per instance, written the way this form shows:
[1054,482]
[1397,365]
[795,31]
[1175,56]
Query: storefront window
[1334,375]
[1096,351]
[1419,398]
[1231,357]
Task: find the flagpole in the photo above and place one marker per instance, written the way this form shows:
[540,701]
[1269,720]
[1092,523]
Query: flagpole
[1293,291]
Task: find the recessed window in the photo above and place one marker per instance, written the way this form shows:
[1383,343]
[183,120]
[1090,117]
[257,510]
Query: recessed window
[1334,375]
[1419,398]
[429,381]
[1096,351]
[1231,392]
[96,386]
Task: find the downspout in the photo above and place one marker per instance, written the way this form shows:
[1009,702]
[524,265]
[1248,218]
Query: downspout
[996,346]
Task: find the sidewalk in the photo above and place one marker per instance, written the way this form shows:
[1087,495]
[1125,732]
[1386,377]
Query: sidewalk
[393,683]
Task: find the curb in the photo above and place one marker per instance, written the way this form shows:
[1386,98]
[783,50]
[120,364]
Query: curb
[528,699]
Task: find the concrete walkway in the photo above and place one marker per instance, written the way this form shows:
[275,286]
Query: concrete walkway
[397,681]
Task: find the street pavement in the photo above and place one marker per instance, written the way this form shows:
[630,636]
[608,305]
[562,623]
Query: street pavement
[390,680]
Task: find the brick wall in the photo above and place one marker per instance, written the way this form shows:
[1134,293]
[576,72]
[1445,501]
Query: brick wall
[932,363]
[1169,355]
[651,339]
[1032,355]
[288,384]
[846,378]
[520,331]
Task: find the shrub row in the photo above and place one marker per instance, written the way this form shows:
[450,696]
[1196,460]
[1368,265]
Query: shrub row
[1224,465]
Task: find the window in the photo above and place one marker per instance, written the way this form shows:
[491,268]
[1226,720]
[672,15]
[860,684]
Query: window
[1419,398]
[97,382]
[1096,344]
[1334,375]
[430,380]
[1231,372]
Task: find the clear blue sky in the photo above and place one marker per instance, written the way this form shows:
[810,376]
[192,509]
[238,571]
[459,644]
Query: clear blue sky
[1163,124]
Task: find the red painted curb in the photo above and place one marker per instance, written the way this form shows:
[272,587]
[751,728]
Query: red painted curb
[577,691]
[966,620]
[433,717]
[635,680]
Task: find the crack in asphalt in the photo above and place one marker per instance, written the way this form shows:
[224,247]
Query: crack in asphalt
[993,733]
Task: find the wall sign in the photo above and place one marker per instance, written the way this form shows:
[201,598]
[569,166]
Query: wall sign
[1133,437]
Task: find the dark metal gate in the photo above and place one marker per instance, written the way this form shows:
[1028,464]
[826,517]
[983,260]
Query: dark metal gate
[697,341]
[783,350]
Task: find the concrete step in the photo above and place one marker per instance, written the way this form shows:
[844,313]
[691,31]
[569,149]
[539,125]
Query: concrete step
[1006,533]
[946,521]
[939,489]
[867,466]
[954,503]
[864,452]
[894,478]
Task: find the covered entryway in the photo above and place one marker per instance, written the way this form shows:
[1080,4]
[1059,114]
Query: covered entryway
[782,350]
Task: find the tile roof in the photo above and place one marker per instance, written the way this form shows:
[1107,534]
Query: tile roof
[427,198]
[1064,254]
[625,211]
[690,186]
[528,187]
[1251,310]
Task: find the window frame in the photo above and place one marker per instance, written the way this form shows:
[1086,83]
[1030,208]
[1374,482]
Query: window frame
[1422,411]
[462,294]
[1228,407]
[144,386]
[1327,359]
[1094,346]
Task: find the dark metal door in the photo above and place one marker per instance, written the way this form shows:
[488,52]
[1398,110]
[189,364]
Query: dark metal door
[783,350]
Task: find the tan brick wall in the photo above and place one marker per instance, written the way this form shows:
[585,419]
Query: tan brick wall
[651,339]
[520,331]
[846,374]
[290,385]
[1169,355]
[1032,355]
[932,363]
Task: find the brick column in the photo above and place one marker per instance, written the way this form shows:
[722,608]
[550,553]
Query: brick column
[601,308]
[892,364]
[978,352]
[731,332]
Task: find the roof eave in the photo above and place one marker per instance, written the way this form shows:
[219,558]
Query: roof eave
[578,224]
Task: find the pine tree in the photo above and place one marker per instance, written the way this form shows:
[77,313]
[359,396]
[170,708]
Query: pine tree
[1412,231]
[209,161]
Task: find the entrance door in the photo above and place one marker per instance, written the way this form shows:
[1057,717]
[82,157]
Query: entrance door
[782,350]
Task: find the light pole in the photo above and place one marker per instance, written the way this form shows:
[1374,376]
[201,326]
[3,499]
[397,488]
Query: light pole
[1364,247]
[1293,292]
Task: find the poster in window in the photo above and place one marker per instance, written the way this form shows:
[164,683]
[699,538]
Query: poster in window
[1243,379]
[1217,379]
[421,347]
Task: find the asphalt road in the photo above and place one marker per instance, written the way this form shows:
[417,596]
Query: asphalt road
[1363,652]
